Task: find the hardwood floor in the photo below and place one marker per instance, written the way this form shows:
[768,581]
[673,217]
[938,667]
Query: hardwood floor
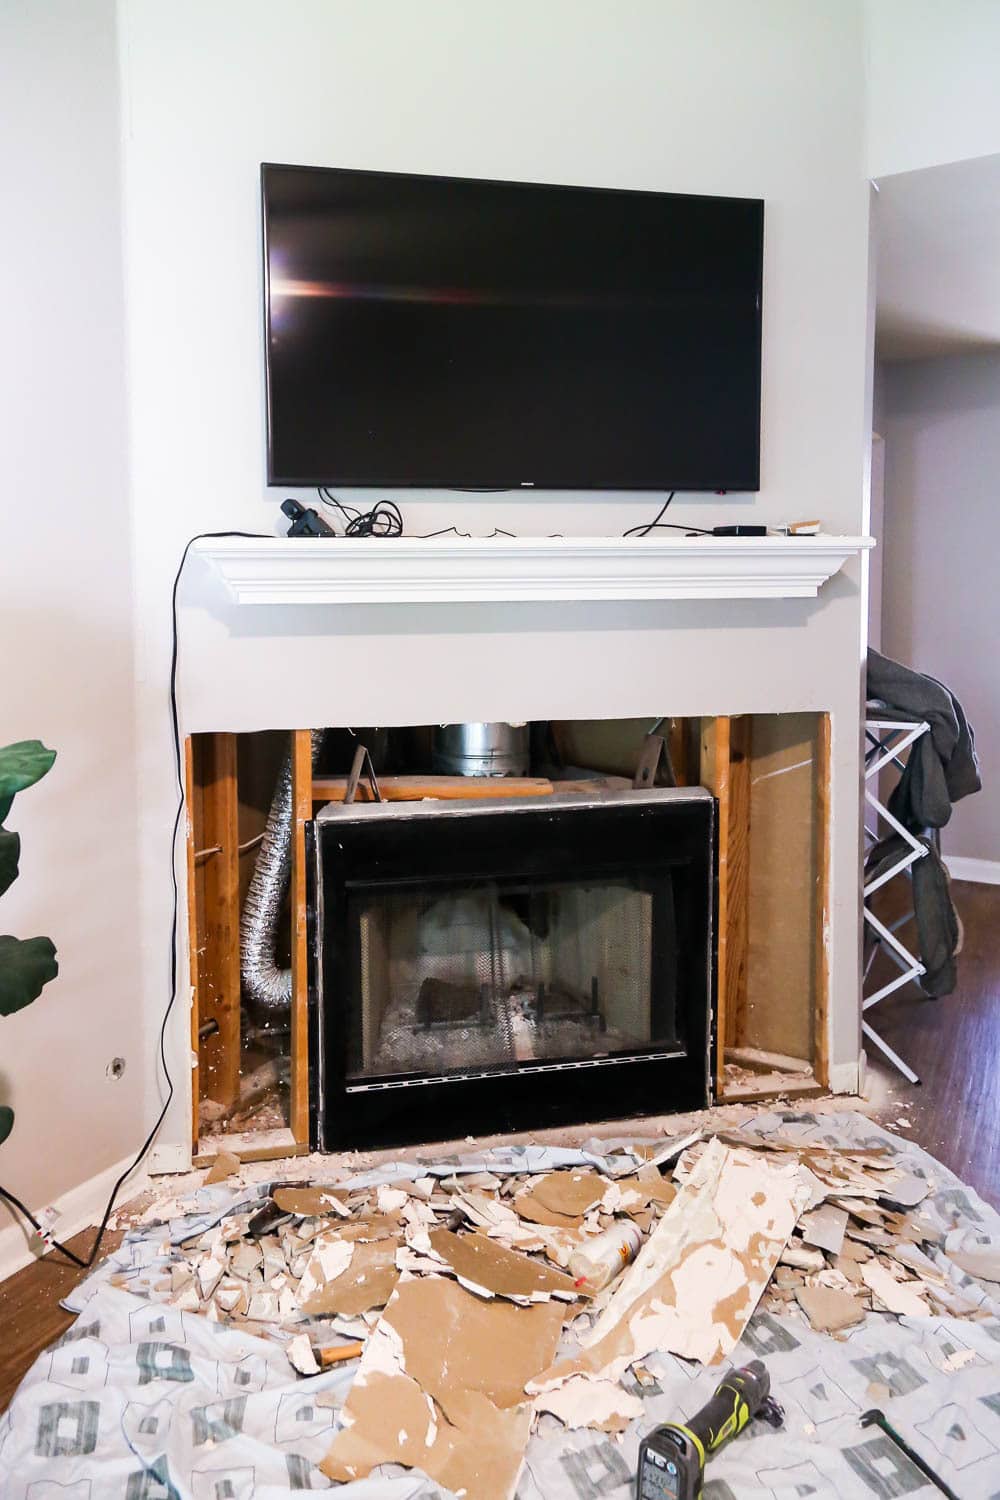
[954,1046]
[30,1315]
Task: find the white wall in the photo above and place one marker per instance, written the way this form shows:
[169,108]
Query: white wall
[941,604]
[65,600]
[762,100]
[933,94]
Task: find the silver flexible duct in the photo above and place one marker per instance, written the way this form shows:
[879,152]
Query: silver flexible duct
[265,986]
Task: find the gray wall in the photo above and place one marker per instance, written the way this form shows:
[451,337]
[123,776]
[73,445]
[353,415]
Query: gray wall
[941,599]
[66,604]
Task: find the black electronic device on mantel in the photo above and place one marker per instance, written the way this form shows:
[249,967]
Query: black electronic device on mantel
[449,332]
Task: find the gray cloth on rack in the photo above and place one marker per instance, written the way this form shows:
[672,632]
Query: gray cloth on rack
[942,766]
[940,769]
[938,928]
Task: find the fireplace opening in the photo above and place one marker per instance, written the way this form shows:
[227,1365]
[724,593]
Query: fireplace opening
[505,964]
[472,972]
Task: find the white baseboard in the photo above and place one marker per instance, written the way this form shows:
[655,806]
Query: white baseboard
[981,871]
[78,1209]
[844,1078]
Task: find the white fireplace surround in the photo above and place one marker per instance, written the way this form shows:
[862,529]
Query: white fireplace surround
[394,570]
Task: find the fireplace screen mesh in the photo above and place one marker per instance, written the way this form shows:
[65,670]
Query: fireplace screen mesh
[499,974]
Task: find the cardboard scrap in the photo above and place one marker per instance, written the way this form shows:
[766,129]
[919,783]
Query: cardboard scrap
[829,1310]
[581,1402]
[441,1388]
[482,1265]
[701,1273]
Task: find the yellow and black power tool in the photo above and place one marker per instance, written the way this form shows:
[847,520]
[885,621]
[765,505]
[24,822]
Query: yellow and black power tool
[672,1458]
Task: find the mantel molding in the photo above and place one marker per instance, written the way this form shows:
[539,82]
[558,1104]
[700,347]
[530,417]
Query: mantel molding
[462,570]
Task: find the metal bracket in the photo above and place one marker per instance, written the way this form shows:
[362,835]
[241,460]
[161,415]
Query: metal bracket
[362,762]
[654,751]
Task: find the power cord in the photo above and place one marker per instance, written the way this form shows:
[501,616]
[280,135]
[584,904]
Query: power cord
[384,519]
[658,524]
[5,1195]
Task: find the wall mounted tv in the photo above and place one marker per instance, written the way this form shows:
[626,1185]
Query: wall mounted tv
[454,333]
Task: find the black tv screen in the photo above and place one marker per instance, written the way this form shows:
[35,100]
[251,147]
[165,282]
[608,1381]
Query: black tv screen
[451,332]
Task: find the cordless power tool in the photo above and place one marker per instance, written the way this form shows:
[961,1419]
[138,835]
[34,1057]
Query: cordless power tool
[672,1458]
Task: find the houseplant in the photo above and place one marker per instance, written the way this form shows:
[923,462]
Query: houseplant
[26,964]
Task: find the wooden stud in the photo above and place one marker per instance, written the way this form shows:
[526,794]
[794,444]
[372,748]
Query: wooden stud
[715,742]
[738,878]
[192,905]
[448,788]
[303,792]
[218,915]
[821,936]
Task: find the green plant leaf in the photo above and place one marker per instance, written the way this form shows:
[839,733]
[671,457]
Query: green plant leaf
[26,966]
[21,765]
[10,849]
[6,1122]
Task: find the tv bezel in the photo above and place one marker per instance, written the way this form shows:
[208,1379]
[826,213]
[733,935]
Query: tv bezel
[474,483]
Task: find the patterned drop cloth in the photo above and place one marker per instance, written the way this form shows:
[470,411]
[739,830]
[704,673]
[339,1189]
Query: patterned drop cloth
[142,1402]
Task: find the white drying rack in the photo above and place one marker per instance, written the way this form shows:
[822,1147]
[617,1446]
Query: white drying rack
[889,740]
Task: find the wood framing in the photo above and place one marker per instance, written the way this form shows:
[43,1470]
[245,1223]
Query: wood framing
[302,800]
[192,886]
[821,944]
[738,876]
[715,738]
[213,869]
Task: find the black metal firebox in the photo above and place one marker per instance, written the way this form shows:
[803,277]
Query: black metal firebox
[508,964]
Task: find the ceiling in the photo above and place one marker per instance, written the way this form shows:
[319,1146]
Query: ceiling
[938,237]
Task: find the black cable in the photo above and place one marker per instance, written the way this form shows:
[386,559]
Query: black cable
[175,726]
[645,529]
[658,524]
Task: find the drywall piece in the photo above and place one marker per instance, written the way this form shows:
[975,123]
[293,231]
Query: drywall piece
[483,1211]
[601,1404]
[907,1190]
[481,1263]
[802,1258]
[903,1297]
[301,1356]
[441,1388]
[701,1273]
[829,1310]
[330,1258]
[559,1200]
[824,1227]
[310,1202]
[224,1165]
[368,1282]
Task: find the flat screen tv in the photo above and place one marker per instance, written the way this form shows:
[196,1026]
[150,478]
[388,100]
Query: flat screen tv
[457,333]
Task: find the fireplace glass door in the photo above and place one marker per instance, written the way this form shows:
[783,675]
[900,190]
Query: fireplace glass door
[509,965]
[498,974]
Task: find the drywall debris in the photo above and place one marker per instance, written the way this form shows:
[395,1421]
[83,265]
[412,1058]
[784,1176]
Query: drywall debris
[308,1202]
[824,1227]
[225,1164]
[301,1356]
[903,1297]
[441,1388]
[583,1402]
[480,1263]
[367,1282]
[829,1310]
[700,1275]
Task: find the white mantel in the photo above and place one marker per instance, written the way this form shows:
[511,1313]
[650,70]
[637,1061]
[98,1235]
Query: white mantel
[433,570]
